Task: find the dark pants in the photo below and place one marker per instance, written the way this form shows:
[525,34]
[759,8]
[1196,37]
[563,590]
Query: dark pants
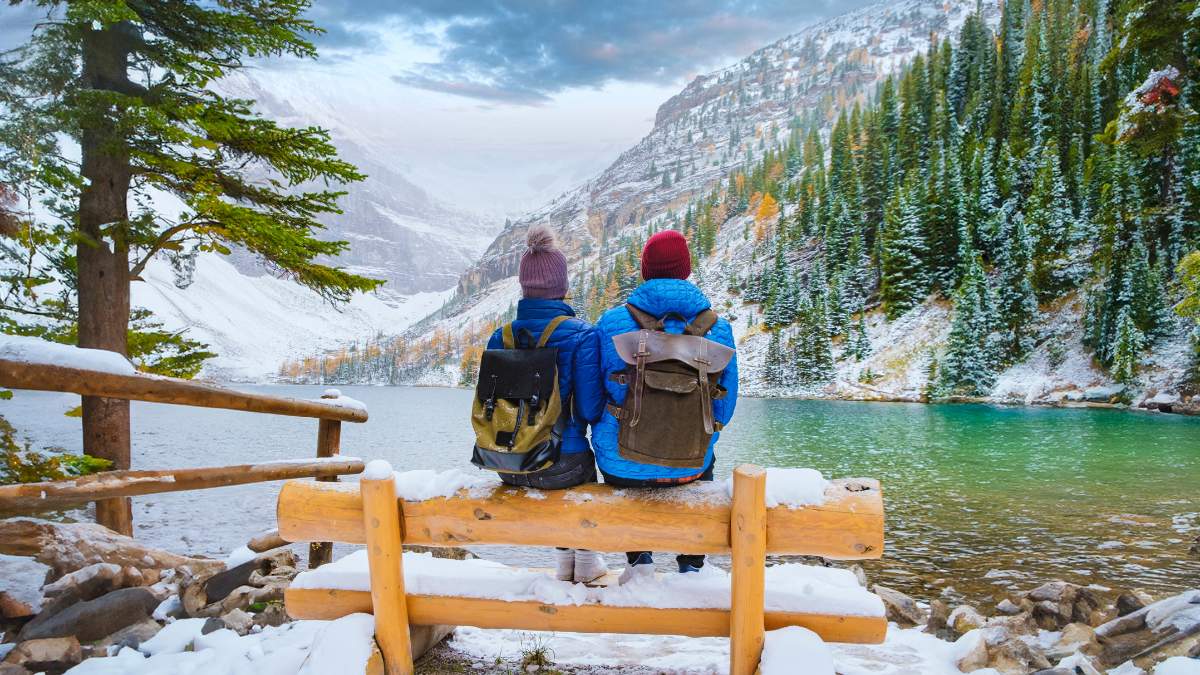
[571,469]
[617,481]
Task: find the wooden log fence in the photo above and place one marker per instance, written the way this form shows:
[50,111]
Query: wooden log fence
[112,490]
[694,519]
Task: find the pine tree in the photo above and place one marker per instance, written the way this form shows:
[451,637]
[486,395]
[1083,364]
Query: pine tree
[860,344]
[966,369]
[1017,302]
[773,371]
[905,279]
[126,82]
[1128,349]
[1048,213]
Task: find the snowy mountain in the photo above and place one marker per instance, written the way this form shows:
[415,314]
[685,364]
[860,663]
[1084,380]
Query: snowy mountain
[397,232]
[718,123]
[734,127]
[724,120]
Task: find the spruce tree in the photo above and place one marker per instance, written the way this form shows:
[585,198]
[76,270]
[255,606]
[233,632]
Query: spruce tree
[128,84]
[1017,302]
[905,279]
[1128,348]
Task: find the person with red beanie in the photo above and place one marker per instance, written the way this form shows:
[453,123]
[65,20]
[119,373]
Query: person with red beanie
[668,296]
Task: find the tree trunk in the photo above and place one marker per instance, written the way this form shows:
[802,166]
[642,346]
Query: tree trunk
[103,258]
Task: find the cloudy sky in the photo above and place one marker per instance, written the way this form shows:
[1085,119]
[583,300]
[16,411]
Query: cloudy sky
[499,104]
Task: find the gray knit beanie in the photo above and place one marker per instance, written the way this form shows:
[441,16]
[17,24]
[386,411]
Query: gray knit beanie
[543,272]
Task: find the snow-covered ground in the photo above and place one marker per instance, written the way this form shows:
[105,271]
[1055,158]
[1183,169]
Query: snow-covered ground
[255,323]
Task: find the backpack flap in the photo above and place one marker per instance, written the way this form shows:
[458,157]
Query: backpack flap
[697,352]
[517,374]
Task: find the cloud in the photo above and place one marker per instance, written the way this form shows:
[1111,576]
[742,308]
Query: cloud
[523,52]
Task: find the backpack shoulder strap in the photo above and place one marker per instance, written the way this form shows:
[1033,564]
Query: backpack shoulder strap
[506,334]
[549,329]
[703,323]
[644,319]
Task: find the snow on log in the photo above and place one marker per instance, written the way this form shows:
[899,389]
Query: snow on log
[846,525]
[50,495]
[33,351]
[487,594]
[87,378]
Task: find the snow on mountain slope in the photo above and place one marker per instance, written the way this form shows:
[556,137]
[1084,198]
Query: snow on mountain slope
[719,122]
[255,323]
[397,231]
[725,120]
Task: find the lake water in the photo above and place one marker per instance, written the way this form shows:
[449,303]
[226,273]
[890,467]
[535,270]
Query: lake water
[978,498]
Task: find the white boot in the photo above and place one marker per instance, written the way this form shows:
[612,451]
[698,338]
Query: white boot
[589,566]
[643,568]
[564,564]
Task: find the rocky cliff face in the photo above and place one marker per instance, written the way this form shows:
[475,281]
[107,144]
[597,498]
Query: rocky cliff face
[726,119]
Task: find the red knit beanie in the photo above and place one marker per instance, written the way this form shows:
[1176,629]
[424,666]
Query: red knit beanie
[666,256]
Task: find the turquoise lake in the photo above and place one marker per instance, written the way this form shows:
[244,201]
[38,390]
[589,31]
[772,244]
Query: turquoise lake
[980,499]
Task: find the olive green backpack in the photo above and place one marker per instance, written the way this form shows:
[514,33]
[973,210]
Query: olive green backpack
[518,409]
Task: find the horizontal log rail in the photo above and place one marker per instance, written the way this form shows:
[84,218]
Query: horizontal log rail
[158,389]
[847,526]
[50,495]
[429,610]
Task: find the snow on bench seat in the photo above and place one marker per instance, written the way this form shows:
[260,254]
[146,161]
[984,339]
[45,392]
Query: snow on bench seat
[790,588]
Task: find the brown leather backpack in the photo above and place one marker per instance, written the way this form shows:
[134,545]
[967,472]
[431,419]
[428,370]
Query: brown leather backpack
[667,416]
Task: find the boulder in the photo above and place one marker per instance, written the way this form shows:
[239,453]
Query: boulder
[1103,394]
[86,583]
[261,580]
[11,607]
[971,653]
[50,655]
[900,608]
[66,547]
[13,669]
[21,580]
[1127,603]
[1016,656]
[965,618]
[131,636]
[1058,603]
[94,619]
[211,625]
[1075,637]
[939,617]
[1156,631]
[1008,608]
[238,621]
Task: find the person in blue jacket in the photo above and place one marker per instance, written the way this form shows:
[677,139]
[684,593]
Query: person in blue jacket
[666,265]
[543,278]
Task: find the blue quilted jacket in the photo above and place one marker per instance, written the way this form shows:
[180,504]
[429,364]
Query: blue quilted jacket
[578,363]
[658,297]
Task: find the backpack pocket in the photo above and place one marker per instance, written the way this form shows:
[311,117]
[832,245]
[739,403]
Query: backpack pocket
[666,432]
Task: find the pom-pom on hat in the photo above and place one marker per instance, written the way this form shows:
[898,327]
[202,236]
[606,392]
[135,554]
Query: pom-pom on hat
[666,256]
[543,271]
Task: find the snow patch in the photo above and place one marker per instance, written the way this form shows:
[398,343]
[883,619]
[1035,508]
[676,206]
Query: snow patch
[377,469]
[795,588]
[423,484]
[791,487]
[41,352]
[787,648]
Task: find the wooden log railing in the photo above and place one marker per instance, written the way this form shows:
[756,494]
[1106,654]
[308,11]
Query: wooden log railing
[698,518]
[62,494]
[157,389]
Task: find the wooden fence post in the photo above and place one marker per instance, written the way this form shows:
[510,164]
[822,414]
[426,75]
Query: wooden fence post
[748,539]
[381,516]
[329,444]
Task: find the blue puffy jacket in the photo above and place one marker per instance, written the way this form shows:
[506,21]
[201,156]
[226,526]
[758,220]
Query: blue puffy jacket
[578,363]
[658,297]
